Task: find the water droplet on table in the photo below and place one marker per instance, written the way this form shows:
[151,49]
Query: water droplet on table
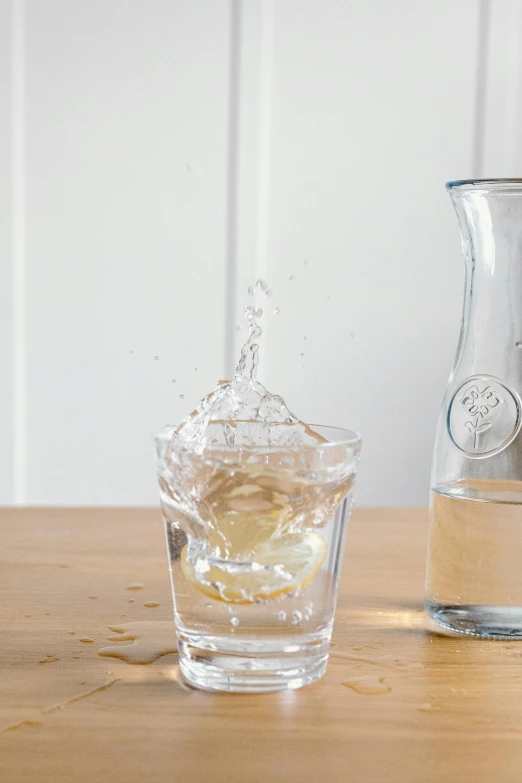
[85,639]
[149,641]
[151,604]
[134,586]
[368,684]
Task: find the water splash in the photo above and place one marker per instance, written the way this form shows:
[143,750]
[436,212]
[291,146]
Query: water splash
[242,412]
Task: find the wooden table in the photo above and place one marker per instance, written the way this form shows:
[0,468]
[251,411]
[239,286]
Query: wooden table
[453,714]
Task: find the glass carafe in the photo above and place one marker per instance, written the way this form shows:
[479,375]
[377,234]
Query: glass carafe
[474,569]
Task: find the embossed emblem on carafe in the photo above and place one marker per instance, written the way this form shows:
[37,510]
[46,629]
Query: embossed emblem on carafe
[484,416]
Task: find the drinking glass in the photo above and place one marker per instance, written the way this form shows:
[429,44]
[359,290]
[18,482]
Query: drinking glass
[255,541]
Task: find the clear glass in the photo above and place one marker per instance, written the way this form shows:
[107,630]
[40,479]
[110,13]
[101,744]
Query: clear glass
[255,541]
[474,576]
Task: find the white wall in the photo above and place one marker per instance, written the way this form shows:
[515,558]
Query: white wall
[158,157]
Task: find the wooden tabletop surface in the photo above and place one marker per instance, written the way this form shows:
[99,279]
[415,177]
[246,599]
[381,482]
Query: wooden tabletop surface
[449,709]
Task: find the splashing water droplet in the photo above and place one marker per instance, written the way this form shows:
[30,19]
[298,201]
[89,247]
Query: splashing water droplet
[182,396]
[281,616]
[234,620]
[292,277]
[230,434]
[261,284]
[277,311]
[173,380]
[195,369]
[302,354]
[250,291]
[156,358]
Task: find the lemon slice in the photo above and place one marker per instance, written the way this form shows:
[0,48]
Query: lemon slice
[279,567]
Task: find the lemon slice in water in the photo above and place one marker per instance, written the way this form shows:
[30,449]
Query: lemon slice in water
[278,566]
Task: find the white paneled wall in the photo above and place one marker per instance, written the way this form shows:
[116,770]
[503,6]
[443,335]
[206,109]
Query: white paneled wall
[158,157]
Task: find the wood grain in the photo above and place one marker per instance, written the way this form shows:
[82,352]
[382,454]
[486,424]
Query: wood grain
[454,711]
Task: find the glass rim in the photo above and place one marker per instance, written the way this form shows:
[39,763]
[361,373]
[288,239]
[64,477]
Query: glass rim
[350,438]
[499,184]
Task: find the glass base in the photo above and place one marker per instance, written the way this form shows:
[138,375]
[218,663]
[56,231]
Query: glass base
[243,666]
[494,622]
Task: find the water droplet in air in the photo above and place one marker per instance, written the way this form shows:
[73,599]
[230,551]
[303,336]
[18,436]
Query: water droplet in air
[250,291]
[269,292]
[238,328]
[234,621]
[195,368]
[305,262]
[292,277]
[182,396]
[131,351]
[173,380]
[258,312]
[296,617]
[277,311]
[156,358]
[261,284]
[302,354]
[459,598]
[281,616]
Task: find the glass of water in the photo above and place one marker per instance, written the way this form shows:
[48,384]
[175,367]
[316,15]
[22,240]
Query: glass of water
[255,540]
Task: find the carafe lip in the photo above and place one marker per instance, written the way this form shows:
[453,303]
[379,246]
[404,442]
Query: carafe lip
[499,185]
